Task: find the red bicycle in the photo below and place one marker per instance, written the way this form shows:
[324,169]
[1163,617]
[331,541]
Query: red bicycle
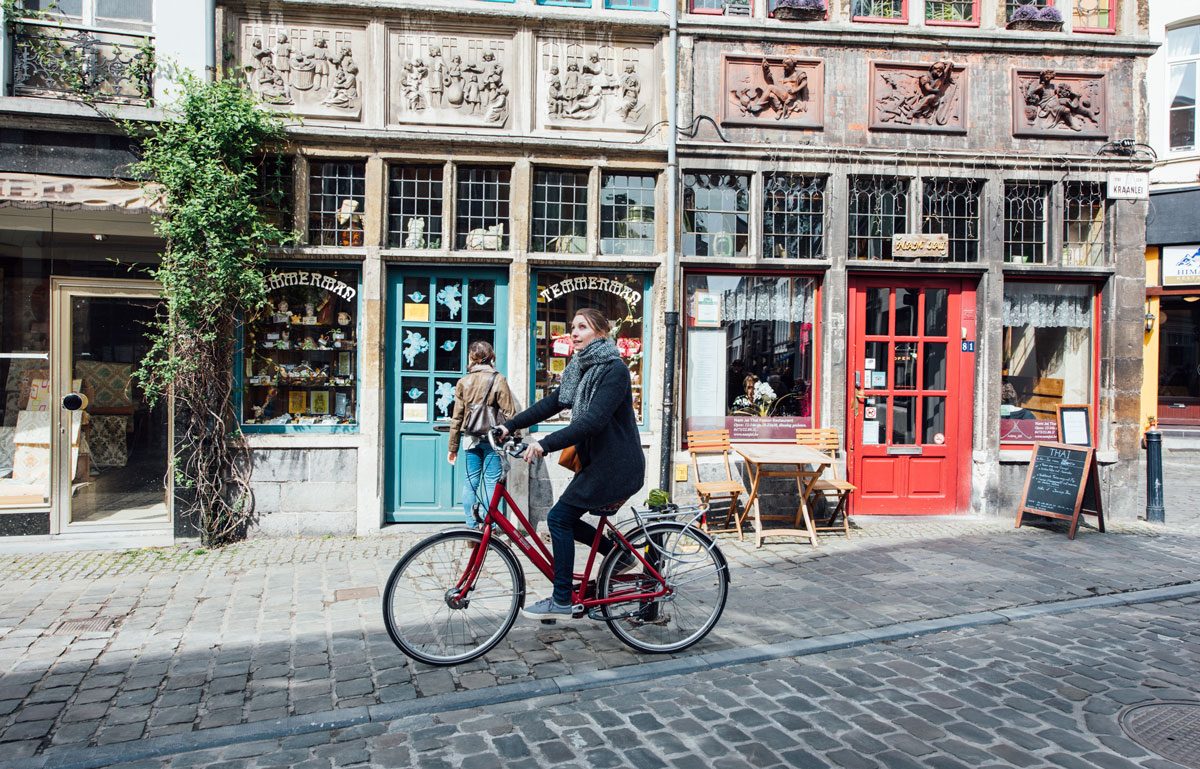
[455,595]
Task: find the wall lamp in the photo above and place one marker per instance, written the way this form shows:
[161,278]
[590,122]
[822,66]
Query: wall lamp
[1149,322]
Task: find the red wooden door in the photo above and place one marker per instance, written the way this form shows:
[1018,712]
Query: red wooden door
[911,395]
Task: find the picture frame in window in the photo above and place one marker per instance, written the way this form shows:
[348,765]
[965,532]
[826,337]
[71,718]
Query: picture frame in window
[1074,424]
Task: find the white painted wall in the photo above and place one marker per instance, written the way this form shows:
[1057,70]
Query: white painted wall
[183,31]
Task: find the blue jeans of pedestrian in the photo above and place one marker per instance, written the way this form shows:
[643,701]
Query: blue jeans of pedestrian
[480,461]
[566,528]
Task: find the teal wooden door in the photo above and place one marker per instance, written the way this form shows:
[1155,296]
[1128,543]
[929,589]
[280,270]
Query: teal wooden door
[432,317]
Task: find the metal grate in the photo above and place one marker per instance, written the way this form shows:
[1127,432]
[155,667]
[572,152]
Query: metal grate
[1012,5]
[951,207]
[951,11]
[1025,222]
[716,214]
[415,206]
[878,9]
[482,208]
[878,209]
[559,211]
[336,196]
[627,214]
[81,626]
[1170,729]
[1083,223]
[794,216]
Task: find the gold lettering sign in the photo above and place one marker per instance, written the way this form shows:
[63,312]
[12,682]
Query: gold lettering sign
[912,246]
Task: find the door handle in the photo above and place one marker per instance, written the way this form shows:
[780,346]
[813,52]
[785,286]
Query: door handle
[74,401]
[857,379]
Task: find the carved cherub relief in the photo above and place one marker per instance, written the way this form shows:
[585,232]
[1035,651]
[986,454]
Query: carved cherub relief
[918,96]
[786,90]
[597,87]
[1053,102]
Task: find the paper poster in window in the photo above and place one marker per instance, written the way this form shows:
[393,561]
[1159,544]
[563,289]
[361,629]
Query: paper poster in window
[871,433]
[558,365]
[540,329]
[557,328]
[707,312]
[344,364]
[341,404]
[415,412]
[562,346]
[297,402]
[416,312]
[319,402]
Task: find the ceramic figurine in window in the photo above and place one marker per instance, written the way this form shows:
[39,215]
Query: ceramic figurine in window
[281,314]
[323,341]
[336,334]
[310,315]
[308,343]
[343,318]
[350,224]
[284,342]
[416,233]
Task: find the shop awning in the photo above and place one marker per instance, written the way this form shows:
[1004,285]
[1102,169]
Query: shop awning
[1172,217]
[67,192]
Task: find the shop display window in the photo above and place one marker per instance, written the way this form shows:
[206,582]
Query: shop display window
[750,352]
[1179,358]
[300,355]
[559,295]
[25,374]
[1047,357]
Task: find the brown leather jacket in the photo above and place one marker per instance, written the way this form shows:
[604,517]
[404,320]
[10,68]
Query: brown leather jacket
[470,390]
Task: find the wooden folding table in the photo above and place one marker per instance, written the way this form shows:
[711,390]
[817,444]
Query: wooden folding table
[804,463]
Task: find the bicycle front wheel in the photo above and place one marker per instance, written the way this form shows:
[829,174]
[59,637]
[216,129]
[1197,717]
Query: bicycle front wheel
[422,608]
[694,571]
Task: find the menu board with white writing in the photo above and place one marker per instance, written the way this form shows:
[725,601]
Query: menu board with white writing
[1062,482]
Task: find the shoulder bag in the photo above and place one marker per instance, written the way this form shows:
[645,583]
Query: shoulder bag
[483,416]
[569,458]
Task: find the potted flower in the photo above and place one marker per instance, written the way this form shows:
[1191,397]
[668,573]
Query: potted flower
[799,10]
[1030,17]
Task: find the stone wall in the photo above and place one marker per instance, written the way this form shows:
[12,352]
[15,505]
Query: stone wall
[304,492]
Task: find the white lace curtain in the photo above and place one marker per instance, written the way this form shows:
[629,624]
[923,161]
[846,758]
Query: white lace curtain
[769,299]
[1048,305]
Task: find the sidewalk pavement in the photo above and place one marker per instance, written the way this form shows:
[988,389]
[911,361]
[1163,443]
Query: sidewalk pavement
[104,648]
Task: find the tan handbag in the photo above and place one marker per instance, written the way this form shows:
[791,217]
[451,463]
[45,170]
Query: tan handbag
[569,459]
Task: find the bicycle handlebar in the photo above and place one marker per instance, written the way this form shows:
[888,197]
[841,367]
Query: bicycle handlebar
[511,446]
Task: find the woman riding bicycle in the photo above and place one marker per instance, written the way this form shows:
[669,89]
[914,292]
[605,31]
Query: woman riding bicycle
[603,430]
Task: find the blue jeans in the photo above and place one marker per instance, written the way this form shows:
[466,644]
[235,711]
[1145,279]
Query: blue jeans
[566,528]
[481,460]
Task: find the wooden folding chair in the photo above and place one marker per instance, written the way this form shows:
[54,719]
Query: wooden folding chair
[716,442]
[835,491]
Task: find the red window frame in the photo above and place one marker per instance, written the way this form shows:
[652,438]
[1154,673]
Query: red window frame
[973,23]
[818,277]
[1111,29]
[1097,293]
[881,19]
[711,11]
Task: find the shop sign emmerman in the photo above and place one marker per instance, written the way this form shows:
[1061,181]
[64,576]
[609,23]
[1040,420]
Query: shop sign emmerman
[280,280]
[591,283]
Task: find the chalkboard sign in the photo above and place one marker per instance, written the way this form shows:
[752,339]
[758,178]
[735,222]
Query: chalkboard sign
[1074,424]
[1063,481]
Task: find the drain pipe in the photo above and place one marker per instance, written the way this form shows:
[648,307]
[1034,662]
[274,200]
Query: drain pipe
[671,317]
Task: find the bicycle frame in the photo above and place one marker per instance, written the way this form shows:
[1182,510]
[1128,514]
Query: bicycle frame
[539,555]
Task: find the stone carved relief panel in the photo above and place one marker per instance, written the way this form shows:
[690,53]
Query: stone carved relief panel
[307,69]
[606,86]
[450,78]
[919,97]
[1049,103]
[773,90]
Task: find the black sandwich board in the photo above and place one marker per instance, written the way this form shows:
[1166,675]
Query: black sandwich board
[1063,482]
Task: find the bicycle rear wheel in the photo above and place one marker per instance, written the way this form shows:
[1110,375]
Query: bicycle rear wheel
[421,608]
[694,570]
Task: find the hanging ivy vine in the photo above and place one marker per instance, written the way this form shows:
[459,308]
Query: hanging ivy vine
[203,167]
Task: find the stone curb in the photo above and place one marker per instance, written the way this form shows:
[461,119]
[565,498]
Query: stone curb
[154,747]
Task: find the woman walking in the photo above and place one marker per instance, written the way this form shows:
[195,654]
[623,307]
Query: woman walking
[485,387]
[604,433]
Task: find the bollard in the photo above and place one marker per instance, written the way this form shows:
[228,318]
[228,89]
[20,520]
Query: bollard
[1154,477]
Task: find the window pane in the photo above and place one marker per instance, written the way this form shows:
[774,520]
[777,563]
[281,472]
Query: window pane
[935,311]
[878,209]
[1083,223]
[1183,85]
[1046,356]
[124,10]
[559,211]
[875,366]
[1025,222]
[415,207]
[619,296]
[878,312]
[879,9]
[951,207]
[933,419]
[904,420]
[481,208]
[1178,351]
[793,216]
[1184,41]
[750,346]
[71,8]
[935,365]
[1183,129]
[950,10]
[336,199]
[906,311]
[716,219]
[905,365]
[627,214]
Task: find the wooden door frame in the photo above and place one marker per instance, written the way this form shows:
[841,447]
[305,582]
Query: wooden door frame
[967,287]
[62,289]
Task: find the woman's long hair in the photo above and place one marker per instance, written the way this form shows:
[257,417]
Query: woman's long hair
[595,319]
[480,352]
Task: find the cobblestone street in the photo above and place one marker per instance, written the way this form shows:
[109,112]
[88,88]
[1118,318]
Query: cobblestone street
[102,650]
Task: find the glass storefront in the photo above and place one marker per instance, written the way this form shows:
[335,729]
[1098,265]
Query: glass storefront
[1179,360]
[750,352]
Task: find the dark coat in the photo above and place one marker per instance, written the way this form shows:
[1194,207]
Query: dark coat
[606,439]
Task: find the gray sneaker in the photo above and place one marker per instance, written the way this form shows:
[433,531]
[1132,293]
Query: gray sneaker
[548,608]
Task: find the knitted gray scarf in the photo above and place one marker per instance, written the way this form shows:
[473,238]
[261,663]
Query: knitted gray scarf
[582,375]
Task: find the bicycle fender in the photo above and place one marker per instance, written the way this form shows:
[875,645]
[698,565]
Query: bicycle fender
[500,545]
